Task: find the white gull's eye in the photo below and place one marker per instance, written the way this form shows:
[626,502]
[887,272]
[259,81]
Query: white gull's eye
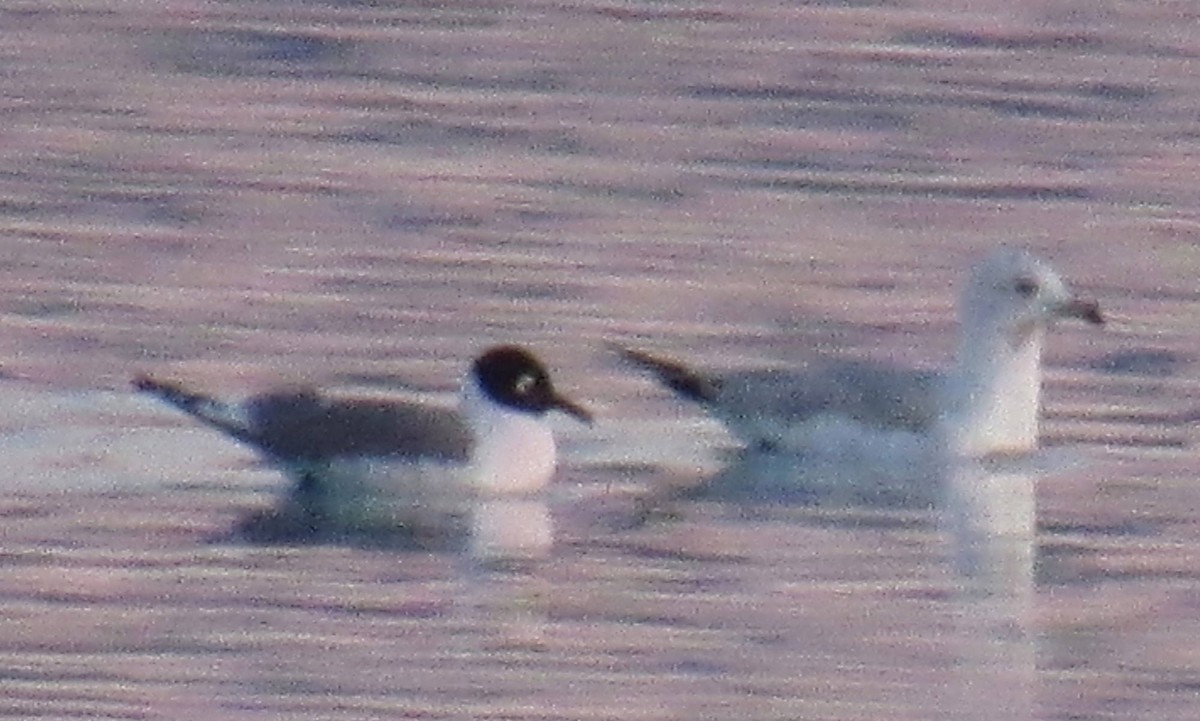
[1025,287]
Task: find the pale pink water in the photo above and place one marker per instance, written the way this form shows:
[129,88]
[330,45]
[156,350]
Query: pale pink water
[238,193]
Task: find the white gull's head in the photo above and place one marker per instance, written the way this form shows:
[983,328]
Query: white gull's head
[1009,301]
[1012,295]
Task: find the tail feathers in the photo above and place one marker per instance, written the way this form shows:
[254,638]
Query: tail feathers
[226,417]
[685,381]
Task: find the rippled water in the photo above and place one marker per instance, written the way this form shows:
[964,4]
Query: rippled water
[237,194]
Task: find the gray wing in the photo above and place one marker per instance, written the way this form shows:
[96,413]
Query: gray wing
[307,426]
[872,394]
[304,426]
[764,406]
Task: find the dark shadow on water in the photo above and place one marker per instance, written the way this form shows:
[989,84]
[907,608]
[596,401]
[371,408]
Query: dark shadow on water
[290,523]
[964,191]
[243,52]
[1156,362]
[998,41]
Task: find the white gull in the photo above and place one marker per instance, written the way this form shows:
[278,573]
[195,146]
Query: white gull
[987,404]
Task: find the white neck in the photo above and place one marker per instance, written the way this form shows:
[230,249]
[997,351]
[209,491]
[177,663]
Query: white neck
[997,386]
[514,451]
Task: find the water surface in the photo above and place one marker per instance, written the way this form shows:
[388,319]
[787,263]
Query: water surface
[237,194]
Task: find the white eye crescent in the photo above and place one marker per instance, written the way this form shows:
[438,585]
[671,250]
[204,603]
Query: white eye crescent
[524,383]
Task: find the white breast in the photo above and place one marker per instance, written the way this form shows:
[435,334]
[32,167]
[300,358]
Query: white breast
[514,451]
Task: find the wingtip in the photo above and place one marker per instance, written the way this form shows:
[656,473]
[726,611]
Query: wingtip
[643,359]
[685,381]
[146,383]
[646,360]
[618,349]
[229,418]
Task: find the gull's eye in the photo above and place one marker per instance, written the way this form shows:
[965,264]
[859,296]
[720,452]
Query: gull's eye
[1025,287]
[524,383]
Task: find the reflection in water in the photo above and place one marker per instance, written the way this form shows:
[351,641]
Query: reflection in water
[505,530]
[989,515]
[823,479]
[988,512]
[504,603]
[495,530]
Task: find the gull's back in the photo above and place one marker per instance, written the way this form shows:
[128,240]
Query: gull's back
[305,426]
[777,407]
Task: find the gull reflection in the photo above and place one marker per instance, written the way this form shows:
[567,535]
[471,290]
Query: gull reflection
[501,595]
[490,530]
[989,515]
[510,530]
[987,511]
[822,480]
